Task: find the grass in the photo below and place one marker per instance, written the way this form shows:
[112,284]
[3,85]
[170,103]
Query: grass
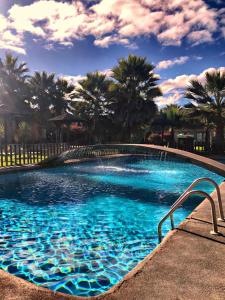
[24,159]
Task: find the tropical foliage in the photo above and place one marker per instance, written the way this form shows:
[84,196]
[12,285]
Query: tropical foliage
[92,99]
[48,95]
[134,90]
[124,104]
[116,108]
[171,117]
[209,99]
[13,83]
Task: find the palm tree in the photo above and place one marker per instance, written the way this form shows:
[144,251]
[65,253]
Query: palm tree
[42,87]
[211,95]
[49,95]
[92,105]
[172,116]
[13,76]
[201,116]
[134,91]
[61,98]
[13,92]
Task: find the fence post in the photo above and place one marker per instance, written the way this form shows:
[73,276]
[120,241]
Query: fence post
[20,161]
[2,160]
[6,155]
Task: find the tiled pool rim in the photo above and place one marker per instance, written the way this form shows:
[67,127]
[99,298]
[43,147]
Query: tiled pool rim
[207,163]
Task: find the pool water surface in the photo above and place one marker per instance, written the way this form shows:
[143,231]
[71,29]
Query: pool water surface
[80,228]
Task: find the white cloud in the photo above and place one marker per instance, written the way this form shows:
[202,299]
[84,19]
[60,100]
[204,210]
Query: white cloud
[197,57]
[173,88]
[114,21]
[165,64]
[199,37]
[9,40]
[107,40]
[107,72]
[171,99]
[76,78]
[73,79]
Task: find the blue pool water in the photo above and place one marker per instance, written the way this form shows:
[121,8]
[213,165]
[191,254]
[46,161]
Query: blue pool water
[79,229]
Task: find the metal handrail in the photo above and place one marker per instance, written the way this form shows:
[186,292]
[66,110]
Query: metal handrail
[194,183]
[183,198]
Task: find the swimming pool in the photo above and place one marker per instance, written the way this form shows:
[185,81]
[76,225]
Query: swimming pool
[80,228]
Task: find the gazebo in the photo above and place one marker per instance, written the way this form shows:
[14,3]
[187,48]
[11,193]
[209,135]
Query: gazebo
[65,123]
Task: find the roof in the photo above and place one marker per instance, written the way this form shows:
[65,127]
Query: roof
[185,136]
[65,117]
[7,110]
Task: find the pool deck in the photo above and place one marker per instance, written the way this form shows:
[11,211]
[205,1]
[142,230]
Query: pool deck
[188,264]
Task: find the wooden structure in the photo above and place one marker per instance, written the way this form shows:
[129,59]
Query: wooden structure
[10,117]
[66,124]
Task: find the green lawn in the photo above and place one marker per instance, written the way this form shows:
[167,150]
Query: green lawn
[24,159]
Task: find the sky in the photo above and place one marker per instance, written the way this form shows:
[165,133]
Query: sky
[183,39]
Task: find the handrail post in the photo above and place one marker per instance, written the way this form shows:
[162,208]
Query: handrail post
[172,221]
[182,199]
[194,183]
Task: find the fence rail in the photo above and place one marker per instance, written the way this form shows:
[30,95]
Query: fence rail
[24,154]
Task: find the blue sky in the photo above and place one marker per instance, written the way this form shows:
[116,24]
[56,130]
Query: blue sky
[182,38]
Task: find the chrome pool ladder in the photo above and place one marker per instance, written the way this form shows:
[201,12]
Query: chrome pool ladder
[187,193]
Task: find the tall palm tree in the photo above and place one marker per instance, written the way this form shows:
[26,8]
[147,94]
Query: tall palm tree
[172,116]
[42,86]
[61,98]
[13,92]
[92,105]
[201,116]
[49,95]
[134,90]
[13,86]
[211,94]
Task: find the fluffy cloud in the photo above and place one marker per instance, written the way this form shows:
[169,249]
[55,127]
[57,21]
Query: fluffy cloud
[200,36]
[75,79]
[112,22]
[165,64]
[171,99]
[173,88]
[107,40]
[8,40]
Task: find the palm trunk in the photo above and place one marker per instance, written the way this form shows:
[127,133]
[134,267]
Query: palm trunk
[162,136]
[172,138]
[219,139]
[126,135]
[207,139]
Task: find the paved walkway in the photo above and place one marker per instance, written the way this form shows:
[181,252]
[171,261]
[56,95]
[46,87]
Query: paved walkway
[189,265]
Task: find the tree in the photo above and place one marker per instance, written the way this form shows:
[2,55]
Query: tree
[13,84]
[49,95]
[61,98]
[93,94]
[172,117]
[211,95]
[202,116]
[134,90]
[42,86]
[13,92]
